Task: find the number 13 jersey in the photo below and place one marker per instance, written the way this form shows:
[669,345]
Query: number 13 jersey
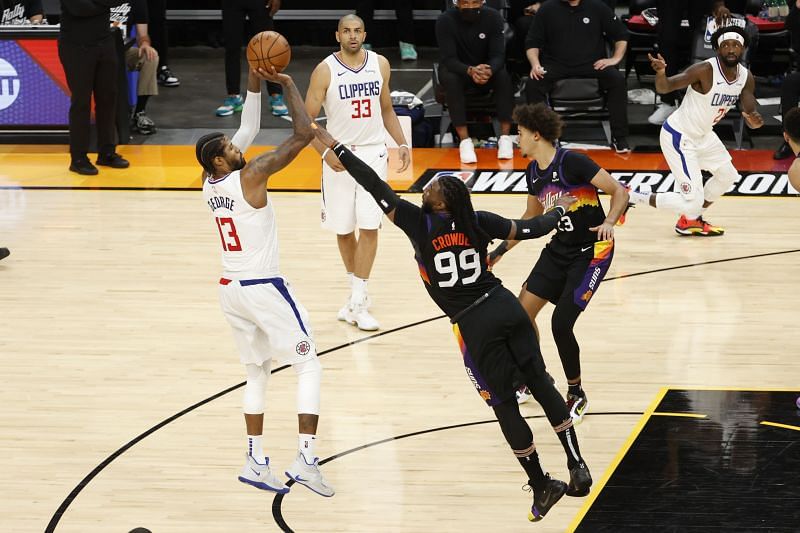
[569,173]
[248,236]
[353,101]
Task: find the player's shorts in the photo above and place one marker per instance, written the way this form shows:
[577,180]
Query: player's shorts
[345,204]
[687,157]
[499,347]
[570,274]
[267,321]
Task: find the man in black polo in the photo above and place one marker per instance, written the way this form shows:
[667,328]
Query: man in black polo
[472,48]
[568,39]
[88,53]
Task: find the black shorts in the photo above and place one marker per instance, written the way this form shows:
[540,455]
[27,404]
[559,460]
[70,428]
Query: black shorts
[570,273]
[499,347]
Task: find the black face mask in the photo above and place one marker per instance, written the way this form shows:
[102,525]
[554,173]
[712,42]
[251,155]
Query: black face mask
[470,14]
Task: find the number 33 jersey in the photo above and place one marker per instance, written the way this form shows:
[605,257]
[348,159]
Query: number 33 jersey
[353,101]
[569,173]
[248,236]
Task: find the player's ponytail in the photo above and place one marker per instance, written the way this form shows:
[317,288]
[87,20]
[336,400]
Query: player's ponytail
[459,205]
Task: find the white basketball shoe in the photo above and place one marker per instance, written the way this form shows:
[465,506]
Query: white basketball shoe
[261,477]
[309,475]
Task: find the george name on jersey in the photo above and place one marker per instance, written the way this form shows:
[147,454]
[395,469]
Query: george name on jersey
[220,202]
[359,90]
[724,100]
[450,239]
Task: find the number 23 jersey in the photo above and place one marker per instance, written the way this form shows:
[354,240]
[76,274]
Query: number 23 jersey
[569,173]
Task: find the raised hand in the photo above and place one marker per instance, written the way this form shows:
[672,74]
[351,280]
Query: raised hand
[657,63]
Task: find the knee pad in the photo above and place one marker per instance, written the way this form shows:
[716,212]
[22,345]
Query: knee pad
[719,183]
[256,387]
[309,377]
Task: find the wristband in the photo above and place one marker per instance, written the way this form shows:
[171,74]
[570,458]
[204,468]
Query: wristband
[404,146]
[501,248]
[563,210]
[142,40]
[325,152]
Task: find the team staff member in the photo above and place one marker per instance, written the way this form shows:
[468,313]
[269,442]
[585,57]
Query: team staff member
[496,337]
[88,53]
[568,39]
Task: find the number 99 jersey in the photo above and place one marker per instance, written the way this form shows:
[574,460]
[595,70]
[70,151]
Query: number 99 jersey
[453,268]
[569,173]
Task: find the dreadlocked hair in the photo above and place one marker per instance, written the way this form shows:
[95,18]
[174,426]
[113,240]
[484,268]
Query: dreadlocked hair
[459,205]
[207,148]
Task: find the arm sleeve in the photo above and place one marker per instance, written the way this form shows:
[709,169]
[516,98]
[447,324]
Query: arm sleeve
[579,168]
[386,198]
[498,227]
[445,37]
[497,43]
[251,122]
[407,218]
[611,25]
[532,228]
[537,33]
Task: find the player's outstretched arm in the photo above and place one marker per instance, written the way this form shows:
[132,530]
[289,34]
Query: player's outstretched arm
[692,75]
[386,198]
[748,100]
[534,208]
[619,202]
[257,172]
[531,228]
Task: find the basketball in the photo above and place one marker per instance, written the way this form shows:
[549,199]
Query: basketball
[269,48]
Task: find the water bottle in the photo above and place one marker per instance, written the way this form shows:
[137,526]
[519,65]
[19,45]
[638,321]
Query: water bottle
[783,9]
[773,10]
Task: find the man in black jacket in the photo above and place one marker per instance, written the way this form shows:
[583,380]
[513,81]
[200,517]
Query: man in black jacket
[88,53]
[473,58]
[568,39]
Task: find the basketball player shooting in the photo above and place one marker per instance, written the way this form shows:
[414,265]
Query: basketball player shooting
[353,85]
[688,141]
[267,320]
[496,337]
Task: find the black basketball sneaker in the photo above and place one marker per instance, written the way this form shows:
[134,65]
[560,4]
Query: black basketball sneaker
[579,480]
[547,497]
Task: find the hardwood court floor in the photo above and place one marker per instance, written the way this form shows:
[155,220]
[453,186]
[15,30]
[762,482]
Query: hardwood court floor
[111,325]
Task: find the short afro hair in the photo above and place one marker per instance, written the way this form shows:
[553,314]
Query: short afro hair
[791,124]
[539,118]
[729,29]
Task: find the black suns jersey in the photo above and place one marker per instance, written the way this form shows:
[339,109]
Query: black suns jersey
[569,173]
[454,270]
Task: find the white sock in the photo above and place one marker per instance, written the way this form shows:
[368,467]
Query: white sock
[254,448]
[359,293]
[306,446]
[350,280]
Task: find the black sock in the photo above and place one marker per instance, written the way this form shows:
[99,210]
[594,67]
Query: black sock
[530,463]
[141,103]
[569,440]
[575,389]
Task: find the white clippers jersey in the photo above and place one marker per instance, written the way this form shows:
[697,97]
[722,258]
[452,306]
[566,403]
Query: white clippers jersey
[698,113]
[352,102]
[248,236]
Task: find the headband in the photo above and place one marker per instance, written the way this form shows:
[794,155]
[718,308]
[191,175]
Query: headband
[730,35]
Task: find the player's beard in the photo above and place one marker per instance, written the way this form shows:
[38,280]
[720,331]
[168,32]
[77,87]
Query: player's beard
[730,62]
[240,164]
[426,207]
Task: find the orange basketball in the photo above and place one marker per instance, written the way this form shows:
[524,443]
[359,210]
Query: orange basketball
[269,48]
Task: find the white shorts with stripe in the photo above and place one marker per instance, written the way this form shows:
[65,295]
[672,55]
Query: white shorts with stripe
[345,204]
[687,157]
[267,321]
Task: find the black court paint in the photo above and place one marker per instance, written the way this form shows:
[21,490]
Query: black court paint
[724,472]
[54,520]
